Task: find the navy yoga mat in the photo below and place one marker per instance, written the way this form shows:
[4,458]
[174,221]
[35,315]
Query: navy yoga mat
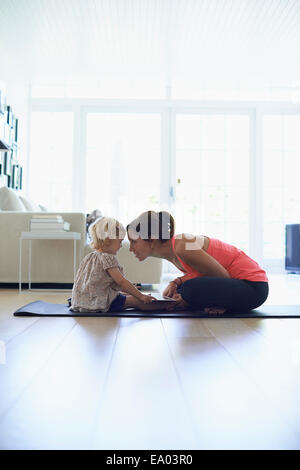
[47,309]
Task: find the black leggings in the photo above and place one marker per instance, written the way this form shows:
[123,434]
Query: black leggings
[232,294]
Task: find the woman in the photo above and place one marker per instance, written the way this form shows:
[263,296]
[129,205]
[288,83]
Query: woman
[217,276]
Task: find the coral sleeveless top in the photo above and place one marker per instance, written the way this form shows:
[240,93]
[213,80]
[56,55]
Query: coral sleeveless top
[235,261]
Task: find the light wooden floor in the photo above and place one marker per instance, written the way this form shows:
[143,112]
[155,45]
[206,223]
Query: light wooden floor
[111,383]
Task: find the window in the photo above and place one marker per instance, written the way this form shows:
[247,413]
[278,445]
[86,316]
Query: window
[212,174]
[281,149]
[123,163]
[51,153]
[105,88]
[129,156]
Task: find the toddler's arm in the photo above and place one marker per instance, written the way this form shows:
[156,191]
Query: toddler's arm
[127,286]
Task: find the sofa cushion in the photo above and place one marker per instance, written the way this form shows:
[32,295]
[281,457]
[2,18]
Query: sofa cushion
[9,200]
[30,205]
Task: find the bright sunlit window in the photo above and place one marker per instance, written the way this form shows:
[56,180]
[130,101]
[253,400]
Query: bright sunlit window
[125,170]
[281,143]
[212,174]
[109,88]
[51,153]
[123,163]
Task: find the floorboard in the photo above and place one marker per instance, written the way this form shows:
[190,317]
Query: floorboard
[143,406]
[132,383]
[58,407]
[228,409]
[26,355]
[267,361]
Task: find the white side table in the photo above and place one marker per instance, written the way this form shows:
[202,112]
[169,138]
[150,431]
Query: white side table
[44,236]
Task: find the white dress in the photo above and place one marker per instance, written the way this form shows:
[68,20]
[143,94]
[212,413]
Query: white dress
[94,290]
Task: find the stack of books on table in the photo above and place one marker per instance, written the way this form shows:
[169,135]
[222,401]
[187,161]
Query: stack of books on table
[48,223]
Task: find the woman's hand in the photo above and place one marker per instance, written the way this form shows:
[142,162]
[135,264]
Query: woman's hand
[146,299]
[170,290]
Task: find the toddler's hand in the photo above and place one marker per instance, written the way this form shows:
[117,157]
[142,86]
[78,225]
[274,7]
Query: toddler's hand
[147,299]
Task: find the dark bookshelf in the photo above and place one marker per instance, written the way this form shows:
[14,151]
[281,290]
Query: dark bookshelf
[10,168]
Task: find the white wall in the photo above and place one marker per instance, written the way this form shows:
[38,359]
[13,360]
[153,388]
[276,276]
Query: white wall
[17,94]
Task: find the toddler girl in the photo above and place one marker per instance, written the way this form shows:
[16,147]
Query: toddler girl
[99,280]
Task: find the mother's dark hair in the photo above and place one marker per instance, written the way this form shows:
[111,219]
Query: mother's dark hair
[151,225]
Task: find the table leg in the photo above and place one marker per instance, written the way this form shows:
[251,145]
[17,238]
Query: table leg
[20,265]
[29,266]
[74,266]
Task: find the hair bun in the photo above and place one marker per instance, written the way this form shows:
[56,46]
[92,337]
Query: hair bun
[153,225]
[166,225]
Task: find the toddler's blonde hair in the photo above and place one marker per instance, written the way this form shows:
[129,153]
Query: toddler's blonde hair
[103,230]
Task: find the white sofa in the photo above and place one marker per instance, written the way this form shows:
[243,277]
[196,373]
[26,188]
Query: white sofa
[52,260]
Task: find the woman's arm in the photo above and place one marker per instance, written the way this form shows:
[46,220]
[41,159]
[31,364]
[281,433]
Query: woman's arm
[200,260]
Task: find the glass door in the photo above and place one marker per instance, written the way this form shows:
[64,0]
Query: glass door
[51,154]
[212,176]
[123,163]
[281,153]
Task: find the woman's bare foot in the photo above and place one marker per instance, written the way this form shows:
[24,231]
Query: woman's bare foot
[215,310]
[179,305]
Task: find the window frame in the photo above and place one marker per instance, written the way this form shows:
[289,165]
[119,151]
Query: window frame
[168,109]
[274,265]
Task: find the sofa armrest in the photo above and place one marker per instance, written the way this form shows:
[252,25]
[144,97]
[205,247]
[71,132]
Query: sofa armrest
[52,261]
[145,272]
